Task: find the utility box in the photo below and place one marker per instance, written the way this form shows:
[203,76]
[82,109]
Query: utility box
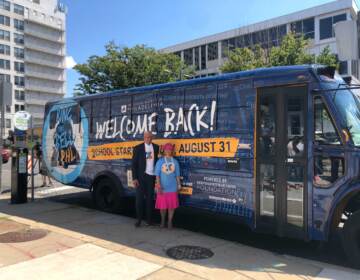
[19,172]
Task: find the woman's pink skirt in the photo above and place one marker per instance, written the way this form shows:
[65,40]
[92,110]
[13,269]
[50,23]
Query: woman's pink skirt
[168,200]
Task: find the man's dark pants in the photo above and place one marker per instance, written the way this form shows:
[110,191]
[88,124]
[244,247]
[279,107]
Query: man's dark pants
[145,190]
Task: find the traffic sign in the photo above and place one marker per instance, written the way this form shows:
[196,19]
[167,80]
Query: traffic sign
[22,120]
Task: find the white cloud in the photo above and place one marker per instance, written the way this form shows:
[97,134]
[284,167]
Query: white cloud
[70,62]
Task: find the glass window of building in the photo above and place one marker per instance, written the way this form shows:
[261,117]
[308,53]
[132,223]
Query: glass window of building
[4,49]
[4,20]
[197,58]
[239,42]
[19,81]
[224,48]
[178,54]
[19,95]
[8,108]
[18,52]
[19,66]
[213,51]
[228,46]
[19,107]
[19,38]
[188,56]
[5,64]
[18,9]
[5,77]
[327,25]
[18,24]
[4,35]
[36,1]
[343,67]
[203,56]
[5,5]
[8,123]
[304,27]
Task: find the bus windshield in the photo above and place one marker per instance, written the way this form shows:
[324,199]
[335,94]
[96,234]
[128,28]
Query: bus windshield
[348,105]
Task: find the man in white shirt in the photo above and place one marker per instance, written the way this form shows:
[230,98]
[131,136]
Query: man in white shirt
[144,159]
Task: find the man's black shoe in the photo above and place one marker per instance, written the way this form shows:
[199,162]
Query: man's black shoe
[137,224]
[148,224]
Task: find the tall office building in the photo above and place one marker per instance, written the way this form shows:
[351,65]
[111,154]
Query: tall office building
[335,24]
[32,54]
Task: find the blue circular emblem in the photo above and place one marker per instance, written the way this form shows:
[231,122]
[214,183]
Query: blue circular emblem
[65,140]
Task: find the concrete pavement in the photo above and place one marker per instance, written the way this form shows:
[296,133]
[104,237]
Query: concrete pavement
[86,244]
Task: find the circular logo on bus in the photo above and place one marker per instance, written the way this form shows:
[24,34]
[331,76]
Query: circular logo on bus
[65,140]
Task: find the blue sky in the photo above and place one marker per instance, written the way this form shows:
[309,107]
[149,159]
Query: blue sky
[160,23]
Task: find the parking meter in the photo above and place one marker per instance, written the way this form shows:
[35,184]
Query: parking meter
[19,172]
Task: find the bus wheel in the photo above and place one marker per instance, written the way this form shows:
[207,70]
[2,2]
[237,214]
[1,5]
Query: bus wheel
[106,196]
[351,239]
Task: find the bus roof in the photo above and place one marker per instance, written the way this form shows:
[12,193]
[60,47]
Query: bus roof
[260,72]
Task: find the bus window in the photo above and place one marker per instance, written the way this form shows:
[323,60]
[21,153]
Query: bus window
[235,120]
[201,96]
[295,126]
[267,189]
[327,170]
[172,99]
[236,93]
[86,106]
[295,193]
[52,120]
[267,126]
[120,105]
[325,132]
[101,107]
[144,103]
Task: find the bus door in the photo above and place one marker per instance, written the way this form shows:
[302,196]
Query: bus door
[280,159]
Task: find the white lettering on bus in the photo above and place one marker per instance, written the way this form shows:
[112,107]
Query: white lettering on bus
[191,121]
[169,127]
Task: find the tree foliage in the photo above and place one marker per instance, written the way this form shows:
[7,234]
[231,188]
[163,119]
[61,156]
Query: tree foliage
[327,58]
[124,67]
[241,59]
[292,51]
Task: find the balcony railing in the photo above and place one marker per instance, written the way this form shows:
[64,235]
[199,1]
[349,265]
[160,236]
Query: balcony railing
[49,36]
[45,62]
[31,72]
[44,88]
[43,48]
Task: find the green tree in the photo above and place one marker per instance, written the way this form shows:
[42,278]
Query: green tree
[124,67]
[327,58]
[292,51]
[244,59]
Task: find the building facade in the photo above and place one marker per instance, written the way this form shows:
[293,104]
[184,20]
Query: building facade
[333,24]
[32,54]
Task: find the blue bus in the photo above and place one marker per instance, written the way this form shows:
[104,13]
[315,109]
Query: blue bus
[277,148]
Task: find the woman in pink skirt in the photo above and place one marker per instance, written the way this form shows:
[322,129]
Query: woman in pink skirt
[167,173]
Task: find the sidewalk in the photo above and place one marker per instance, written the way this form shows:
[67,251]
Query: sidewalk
[87,244]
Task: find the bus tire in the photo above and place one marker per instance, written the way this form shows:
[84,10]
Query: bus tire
[351,239]
[107,196]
